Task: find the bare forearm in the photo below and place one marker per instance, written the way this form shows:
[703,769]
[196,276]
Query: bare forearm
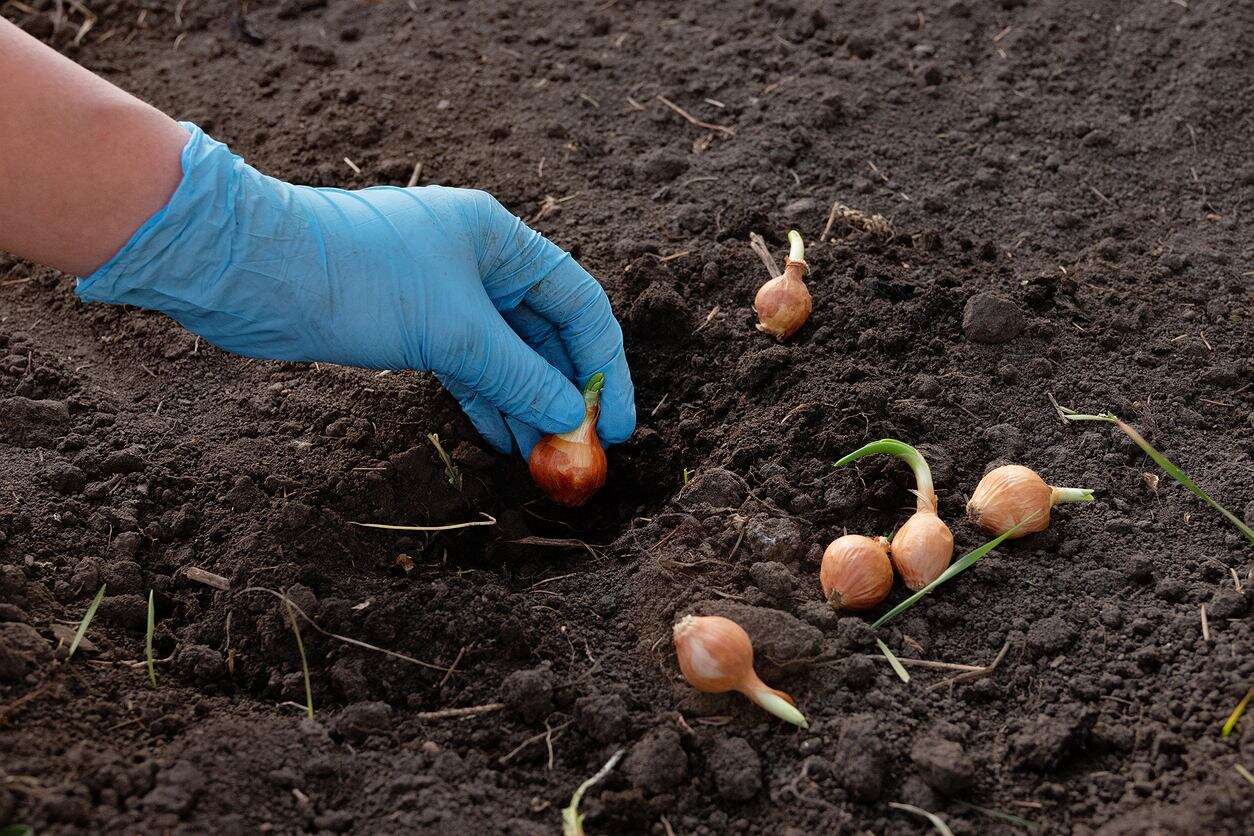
[82,163]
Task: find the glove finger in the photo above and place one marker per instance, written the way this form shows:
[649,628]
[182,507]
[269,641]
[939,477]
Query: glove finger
[524,436]
[486,417]
[540,334]
[493,361]
[576,305]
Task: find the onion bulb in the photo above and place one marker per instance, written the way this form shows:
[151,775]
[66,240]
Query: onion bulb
[570,467]
[716,656]
[1014,495]
[855,573]
[922,548]
[783,303]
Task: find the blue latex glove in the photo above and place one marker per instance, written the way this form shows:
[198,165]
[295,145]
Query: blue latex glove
[435,279]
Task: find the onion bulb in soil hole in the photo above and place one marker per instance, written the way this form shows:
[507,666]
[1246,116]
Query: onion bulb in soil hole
[570,467]
[716,656]
[1011,494]
[783,303]
[856,573]
[922,548]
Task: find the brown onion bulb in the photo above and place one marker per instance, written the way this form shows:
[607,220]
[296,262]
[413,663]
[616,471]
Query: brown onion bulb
[1014,495]
[716,655]
[856,573]
[783,304]
[921,549]
[571,467]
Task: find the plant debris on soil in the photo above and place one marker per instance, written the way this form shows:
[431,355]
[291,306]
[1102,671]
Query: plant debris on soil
[1022,199]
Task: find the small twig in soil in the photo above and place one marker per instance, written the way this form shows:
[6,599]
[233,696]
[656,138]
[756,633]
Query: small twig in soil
[758,244]
[876,224]
[1205,625]
[457,713]
[723,129]
[550,205]
[453,666]
[489,520]
[708,319]
[206,577]
[974,675]
[936,820]
[535,738]
[337,636]
[662,402]
[414,177]
[556,542]
[928,663]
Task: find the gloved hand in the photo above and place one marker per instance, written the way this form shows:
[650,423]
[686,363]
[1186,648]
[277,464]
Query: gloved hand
[432,278]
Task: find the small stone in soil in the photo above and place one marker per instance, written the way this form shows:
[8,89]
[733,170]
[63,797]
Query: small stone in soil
[1050,636]
[773,538]
[360,720]
[529,693]
[1045,742]
[775,579]
[603,717]
[861,758]
[1227,603]
[737,768]
[714,488]
[22,650]
[944,765]
[657,763]
[754,370]
[199,663]
[1140,569]
[989,318]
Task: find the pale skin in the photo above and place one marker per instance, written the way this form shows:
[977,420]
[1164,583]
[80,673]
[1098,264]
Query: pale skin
[83,163]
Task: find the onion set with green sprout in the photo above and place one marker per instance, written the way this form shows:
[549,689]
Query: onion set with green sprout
[924,545]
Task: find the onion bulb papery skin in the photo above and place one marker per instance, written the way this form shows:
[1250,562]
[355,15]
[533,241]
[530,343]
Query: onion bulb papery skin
[921,549]
[1013,495]
[783,304]
[856,573]
[571,467]
[715,656]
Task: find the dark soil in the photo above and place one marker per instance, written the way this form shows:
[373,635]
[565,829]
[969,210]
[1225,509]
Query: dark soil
[1086,164]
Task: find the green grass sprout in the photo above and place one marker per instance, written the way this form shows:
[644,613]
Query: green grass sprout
[17,830]
[892,660]
[1244,773]
[1162,461]
[572,819]
[152,671]
[1231,722]
[304,664]
[960,565]
[1007,817]
[451,471]
[937,821]
[86,622]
